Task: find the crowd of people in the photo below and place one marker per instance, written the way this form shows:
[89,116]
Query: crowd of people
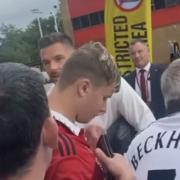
[53,135]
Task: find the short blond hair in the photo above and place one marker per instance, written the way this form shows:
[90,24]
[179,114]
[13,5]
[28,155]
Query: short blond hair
[92,61]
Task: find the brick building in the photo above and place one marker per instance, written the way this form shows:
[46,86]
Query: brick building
[83,20]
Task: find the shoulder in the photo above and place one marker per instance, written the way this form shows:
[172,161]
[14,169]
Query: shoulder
[66,145]
[130,75]
[158,67]
[139,144]
[65,160]
[141,136]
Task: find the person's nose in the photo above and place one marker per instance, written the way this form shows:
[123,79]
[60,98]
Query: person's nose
[103,109]
[136,55]
[54,66]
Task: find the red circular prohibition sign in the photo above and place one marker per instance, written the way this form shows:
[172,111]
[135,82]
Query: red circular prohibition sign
[128,5]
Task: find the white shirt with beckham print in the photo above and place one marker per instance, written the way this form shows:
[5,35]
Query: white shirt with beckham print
[155,153]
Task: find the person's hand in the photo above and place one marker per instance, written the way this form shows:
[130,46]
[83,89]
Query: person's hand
[118,165]
[92,133]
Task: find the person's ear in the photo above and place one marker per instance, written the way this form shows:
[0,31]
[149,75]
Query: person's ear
[83,87]
[50,133]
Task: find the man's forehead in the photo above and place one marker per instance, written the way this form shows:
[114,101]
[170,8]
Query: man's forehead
[54,46]
[54,50]
[138,45]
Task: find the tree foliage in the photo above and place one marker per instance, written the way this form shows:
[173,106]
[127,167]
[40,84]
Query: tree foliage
[18,45]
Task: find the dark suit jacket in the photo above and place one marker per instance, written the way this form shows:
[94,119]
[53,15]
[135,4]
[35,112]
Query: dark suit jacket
[120,134]
[157,101]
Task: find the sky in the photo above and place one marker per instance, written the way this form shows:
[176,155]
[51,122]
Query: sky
[18,12]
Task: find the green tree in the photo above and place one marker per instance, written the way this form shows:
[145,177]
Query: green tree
[17,45]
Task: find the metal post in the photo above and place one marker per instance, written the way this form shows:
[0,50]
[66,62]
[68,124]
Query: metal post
[36,11]
[40,28]
[55,23]
[55,20]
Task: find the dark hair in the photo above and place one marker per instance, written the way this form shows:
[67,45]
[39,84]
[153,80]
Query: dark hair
[90,61]
[23,110]
[55,38]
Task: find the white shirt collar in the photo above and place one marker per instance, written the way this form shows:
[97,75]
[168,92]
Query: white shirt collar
[73,127]
[147,68]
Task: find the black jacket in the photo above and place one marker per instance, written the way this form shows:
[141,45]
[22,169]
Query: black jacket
[157,100]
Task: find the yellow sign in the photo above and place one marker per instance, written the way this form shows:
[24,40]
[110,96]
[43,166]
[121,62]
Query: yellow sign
[126,20]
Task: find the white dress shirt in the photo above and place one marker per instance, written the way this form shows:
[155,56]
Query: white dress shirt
[127,103]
